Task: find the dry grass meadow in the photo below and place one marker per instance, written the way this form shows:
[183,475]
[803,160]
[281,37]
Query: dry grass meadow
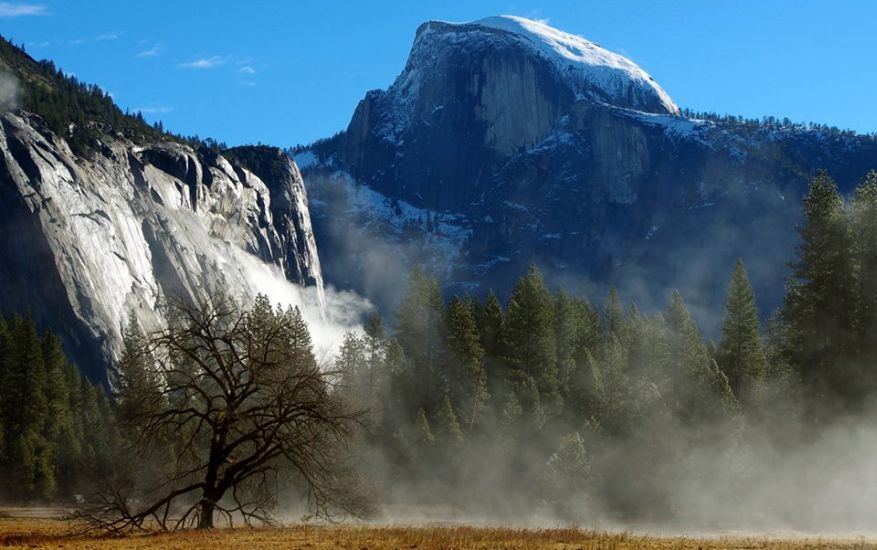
[45,532]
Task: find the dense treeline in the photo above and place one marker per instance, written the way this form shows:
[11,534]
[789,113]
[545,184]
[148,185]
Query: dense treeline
[771,123]
[552,402]
[548,403]
[56,428]
[829,316]
[79,112]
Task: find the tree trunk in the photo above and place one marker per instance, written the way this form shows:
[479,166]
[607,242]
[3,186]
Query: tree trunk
[205,521]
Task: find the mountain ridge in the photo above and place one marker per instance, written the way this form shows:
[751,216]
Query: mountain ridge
[493,144]
[105,216]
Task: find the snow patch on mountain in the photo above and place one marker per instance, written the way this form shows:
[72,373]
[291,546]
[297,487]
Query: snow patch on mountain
[581,59]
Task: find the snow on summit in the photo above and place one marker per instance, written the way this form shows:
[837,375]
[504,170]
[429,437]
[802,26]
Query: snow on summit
[612,74]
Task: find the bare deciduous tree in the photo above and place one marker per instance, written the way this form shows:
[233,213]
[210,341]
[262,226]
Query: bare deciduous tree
[242,403]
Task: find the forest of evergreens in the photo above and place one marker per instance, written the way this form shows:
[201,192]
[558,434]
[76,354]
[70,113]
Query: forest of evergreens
[56,428]
[548,403]
[551,401]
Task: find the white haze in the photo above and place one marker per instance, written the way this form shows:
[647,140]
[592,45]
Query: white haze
[339,312]
[9,93]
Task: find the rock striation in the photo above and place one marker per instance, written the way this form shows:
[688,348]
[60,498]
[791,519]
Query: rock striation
[87,240]
[504,141]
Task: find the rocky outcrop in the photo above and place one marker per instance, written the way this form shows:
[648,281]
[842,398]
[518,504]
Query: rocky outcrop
[86,241]
[504,142]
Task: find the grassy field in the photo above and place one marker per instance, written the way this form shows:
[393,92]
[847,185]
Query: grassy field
[30,532]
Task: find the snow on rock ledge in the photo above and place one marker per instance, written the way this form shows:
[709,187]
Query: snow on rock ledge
[593,69]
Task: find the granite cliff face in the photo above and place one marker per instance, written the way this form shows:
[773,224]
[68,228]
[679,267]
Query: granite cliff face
[86,240]
[504,141]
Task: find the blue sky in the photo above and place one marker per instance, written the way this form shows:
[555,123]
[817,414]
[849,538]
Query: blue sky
[290,72]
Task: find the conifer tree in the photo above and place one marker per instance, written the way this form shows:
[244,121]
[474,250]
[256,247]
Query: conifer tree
[567,474]
[490,325]
[740,355]
[864,242]
[375,349]
[614,317]
[137,387]
[819,308]
[490,328]
[447,427]
[423,432]
[568,325]
[468,378]
[419,327]
[687,351]
[350,363]
[700,388]
[510,420]
[529,333]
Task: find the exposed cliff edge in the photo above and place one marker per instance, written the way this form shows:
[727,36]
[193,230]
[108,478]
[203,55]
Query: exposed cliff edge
[86,240]
[504,141]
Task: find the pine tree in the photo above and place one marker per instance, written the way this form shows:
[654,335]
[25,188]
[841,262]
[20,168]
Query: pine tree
[567,474]
[299,337]
[510,420]
[30,378]
[423,432]
[529,333]
[819,307]
[447,426]
[419,327]
[468,378]
[30,454]
[568,325]
[350,363]
[864,242]
[375,348]
[490,325]
[490,328]
[137,387]
[739,354]
[687,351]
[614,315]
[699,387]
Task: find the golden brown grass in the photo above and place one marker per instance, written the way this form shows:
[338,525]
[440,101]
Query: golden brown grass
[56,534]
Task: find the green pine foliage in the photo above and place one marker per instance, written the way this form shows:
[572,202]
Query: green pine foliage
[740,355]
[56,429]
[530,341]
[827,318]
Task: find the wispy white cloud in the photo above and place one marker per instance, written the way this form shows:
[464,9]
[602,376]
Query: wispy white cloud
[43,44]
[246,69]
[204,63]
[154,110]
[248,83]
[151,52]
[77,41]
[108,36]
[19,9]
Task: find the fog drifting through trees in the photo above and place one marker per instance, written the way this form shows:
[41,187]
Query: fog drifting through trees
[549,408]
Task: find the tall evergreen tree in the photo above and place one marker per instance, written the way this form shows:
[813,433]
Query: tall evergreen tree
[419,330]
[568,323]
[447,426]
[490,328]
[864,243]
[819,303]
[614,317]
[701,390]
[468,378]
[740,355]
[529,333]
[137,387]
